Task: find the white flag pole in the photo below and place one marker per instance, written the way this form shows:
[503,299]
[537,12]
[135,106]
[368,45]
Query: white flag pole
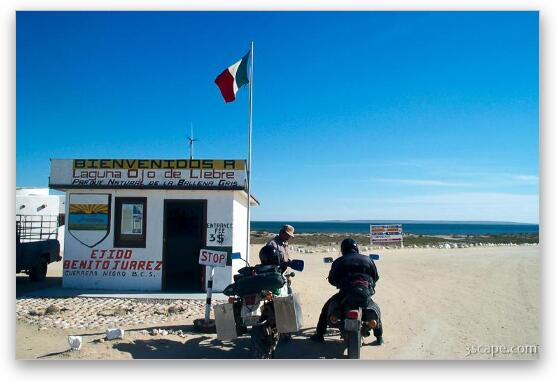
[249,153]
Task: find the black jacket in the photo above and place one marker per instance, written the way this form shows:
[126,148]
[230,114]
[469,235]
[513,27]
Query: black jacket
[353,268]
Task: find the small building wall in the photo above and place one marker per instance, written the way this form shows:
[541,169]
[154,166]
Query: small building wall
[224,276]
[240,220]
[81,263]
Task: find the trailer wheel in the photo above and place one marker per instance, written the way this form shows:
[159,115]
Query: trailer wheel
[38,272]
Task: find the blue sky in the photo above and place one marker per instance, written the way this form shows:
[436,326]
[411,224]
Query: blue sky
[357,115]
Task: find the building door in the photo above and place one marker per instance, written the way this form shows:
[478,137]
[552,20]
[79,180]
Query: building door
[185,223]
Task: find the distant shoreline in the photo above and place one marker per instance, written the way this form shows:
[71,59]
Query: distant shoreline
[422,228]
[334,239]
[476,222]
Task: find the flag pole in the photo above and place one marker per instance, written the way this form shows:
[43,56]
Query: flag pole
[249,153]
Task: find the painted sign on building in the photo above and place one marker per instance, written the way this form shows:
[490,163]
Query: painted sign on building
[89,218]
[112,262]
[219,234]
[204,174]
[386,234]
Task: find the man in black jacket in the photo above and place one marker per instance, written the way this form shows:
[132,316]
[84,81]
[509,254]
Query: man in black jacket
[355,274]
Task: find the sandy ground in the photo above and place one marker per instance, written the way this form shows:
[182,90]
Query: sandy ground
[469,303]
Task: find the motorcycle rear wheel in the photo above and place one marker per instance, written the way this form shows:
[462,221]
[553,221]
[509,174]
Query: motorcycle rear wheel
[353,344]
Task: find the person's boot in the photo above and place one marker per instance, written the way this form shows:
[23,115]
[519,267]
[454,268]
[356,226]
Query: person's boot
[317,337]
[378,333]
[285,337]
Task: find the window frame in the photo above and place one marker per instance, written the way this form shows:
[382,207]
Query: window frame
[126,240]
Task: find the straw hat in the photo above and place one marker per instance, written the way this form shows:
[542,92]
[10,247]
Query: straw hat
[288,229]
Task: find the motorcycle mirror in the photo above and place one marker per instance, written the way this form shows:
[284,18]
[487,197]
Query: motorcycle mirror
[374,256]
[327,260]
[297,265]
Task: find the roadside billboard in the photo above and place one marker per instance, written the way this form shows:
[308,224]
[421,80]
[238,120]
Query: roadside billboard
[385,234]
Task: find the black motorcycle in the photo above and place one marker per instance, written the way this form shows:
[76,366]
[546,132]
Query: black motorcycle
[252,295]
[355,315]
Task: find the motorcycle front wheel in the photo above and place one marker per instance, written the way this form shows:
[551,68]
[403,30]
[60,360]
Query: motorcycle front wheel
[262,343]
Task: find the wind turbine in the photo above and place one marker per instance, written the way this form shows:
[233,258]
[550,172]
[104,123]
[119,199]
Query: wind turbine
[191,140]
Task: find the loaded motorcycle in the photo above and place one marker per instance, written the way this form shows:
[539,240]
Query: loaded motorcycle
[355,315]
[252,295]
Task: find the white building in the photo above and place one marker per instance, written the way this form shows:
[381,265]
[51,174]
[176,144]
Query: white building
[140,224]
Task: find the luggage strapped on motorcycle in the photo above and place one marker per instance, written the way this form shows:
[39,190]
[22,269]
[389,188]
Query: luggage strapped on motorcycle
[250,280]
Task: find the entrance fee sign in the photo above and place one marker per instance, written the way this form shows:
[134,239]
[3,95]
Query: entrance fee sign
[212,258]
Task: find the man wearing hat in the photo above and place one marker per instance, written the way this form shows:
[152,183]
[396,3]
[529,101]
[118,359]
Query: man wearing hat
[280,242]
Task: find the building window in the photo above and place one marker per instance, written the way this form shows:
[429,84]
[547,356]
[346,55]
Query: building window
[131,222]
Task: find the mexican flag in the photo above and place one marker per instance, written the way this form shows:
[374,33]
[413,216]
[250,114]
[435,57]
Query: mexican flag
[233,78]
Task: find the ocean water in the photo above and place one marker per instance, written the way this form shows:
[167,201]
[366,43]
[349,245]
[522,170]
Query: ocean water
[414,227]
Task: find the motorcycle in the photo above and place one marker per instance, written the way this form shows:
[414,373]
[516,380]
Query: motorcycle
[355,316]
[252,295]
